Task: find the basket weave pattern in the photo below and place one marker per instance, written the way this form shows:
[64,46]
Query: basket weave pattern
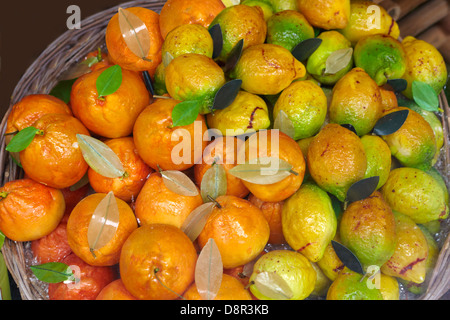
[42,76]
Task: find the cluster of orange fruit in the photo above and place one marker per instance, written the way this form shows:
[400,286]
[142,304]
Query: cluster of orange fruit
[148,256]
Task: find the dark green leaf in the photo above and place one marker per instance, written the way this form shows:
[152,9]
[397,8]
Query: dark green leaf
[362,189]
[216,34]
[52,272]
[63,89]
[347,257]
[337,205]
[148,83]
[22,139]
[185,113]
[390,123]
[109,81]
[234,56]
[349,127]
[226,95]
[306,48]
[398,85]
[425,96]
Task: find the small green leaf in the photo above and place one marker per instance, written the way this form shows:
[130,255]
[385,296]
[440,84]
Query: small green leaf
[425,96]
[185,112]
[398,85]
[63,89]
[362,189]
[226,94]
[2,239]
[109,81]
[306,48]
[216,34]
[390,123]
[347,257]
[22,139]
[234,56]
[53,272]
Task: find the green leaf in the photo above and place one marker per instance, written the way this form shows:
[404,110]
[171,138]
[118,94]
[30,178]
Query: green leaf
[52,272]
[63,89]
[347,257]
[425,96]
[22,139]
[306,48]
[109,81]
[185,112]
[2,239]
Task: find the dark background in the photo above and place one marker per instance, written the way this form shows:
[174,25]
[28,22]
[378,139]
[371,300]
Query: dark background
[26,29]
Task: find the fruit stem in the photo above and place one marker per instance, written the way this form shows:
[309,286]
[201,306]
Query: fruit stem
[293,172]
[249,284]
[215,201]
[155,271]
[3,195]
[99,55]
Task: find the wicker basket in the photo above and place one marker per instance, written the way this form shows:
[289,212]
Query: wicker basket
[42,76]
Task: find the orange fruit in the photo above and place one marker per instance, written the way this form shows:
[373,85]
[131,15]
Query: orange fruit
[284,148]
[239,229]
[71,198]
[120,54]
[78,225]
[54,158]
[113,116]
[272,213]
[230,289]
[128,187]
[222,151]
[52,247]
[157,262]
[178,12]
[157,204]
[157,141]
[30,108]
[92,281]
[115,291]
[29,210]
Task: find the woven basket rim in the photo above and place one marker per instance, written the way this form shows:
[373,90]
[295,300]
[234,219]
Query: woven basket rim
[69,48]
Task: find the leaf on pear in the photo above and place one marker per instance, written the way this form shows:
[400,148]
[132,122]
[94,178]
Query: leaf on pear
[216,34]
[425,96]
[100,157]
[263,170]
[234,56]
[362,189]
[284,124]
[196,220]
[347,257]
[273,286]
[338,60]
[390,123]
[109,81]
[226,94]
[306,48]
[209,271]
[134,33]
[52,272]
[349,127]
[398,85]
[104,223]
[179,183]
[214,182]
